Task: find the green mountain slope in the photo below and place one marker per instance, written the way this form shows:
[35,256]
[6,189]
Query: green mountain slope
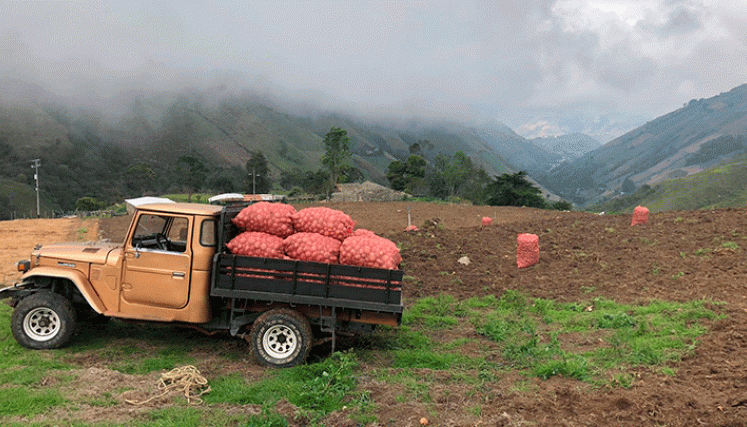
[722,186]
[18,200]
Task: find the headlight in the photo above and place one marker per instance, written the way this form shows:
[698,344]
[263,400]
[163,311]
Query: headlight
[23,266]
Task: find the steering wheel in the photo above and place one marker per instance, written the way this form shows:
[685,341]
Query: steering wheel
[162,242]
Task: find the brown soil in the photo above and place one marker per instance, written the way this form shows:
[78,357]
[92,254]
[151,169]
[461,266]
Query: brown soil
[678,256]
[19,237]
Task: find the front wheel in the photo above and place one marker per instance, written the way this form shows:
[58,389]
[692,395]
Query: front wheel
[43,321]
[281,338]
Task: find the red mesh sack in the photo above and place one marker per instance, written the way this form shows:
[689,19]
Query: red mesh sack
[362,232]
[324,221]
[376,252]
[266,217]
[640,215]
[257,244]
[312,247]
[527,253]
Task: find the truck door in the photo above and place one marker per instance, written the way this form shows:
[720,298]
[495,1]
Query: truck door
[157,262]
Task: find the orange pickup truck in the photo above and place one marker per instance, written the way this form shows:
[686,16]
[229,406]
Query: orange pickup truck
[174,267]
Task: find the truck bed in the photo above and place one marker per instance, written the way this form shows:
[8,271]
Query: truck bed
[300,282]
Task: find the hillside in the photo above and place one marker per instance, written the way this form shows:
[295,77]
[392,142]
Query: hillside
[689,140]
[18,200]
[84,155]
[724,185]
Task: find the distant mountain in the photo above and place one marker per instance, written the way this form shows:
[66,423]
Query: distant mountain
[525,154]
[684,142]
[568,147]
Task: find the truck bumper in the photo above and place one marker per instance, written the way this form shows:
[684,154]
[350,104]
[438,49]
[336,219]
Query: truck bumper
[18,289]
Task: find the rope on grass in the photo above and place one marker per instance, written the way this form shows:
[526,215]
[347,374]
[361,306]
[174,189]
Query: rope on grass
[186,379]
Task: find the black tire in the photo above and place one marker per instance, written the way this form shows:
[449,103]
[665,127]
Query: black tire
[281,338]
[43,321]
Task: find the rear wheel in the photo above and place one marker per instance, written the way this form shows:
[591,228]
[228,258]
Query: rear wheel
[44,320]
[281,338]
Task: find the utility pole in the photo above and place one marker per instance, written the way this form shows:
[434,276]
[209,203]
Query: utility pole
[35,166]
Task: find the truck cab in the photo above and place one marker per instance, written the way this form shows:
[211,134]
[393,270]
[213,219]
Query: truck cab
[161,272]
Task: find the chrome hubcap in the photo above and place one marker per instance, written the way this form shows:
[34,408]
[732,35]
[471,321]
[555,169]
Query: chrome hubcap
[41,324]
[279,341]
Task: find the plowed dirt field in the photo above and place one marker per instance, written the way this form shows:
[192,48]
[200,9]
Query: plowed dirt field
[677,256]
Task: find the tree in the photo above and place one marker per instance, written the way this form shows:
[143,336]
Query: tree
[458,173]
[514,190]
[140,178]
[258,173]
[194,173]
[6,208]
[451,176]
[403,176]
[88,204]
[292,178]
[337,153]
[350,174]
[628,186]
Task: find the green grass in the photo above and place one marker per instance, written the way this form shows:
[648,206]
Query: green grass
[530,333]
[22,401]
[317,388]
[443,341]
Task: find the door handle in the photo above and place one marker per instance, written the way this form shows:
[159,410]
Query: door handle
[179,274]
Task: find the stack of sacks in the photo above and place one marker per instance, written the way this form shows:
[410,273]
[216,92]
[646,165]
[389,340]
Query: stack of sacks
[265,225]
[274,230]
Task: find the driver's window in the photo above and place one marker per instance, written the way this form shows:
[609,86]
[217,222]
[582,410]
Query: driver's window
[159,232]
[147,231]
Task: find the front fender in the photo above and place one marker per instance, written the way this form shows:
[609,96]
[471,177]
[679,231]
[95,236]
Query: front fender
[76,277]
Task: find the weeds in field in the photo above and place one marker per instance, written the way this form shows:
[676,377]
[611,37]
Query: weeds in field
[595,341]
[730,245]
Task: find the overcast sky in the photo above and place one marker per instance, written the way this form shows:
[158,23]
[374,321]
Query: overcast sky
[601,67]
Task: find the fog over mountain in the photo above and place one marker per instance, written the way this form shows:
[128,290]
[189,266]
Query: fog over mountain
[594,67]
